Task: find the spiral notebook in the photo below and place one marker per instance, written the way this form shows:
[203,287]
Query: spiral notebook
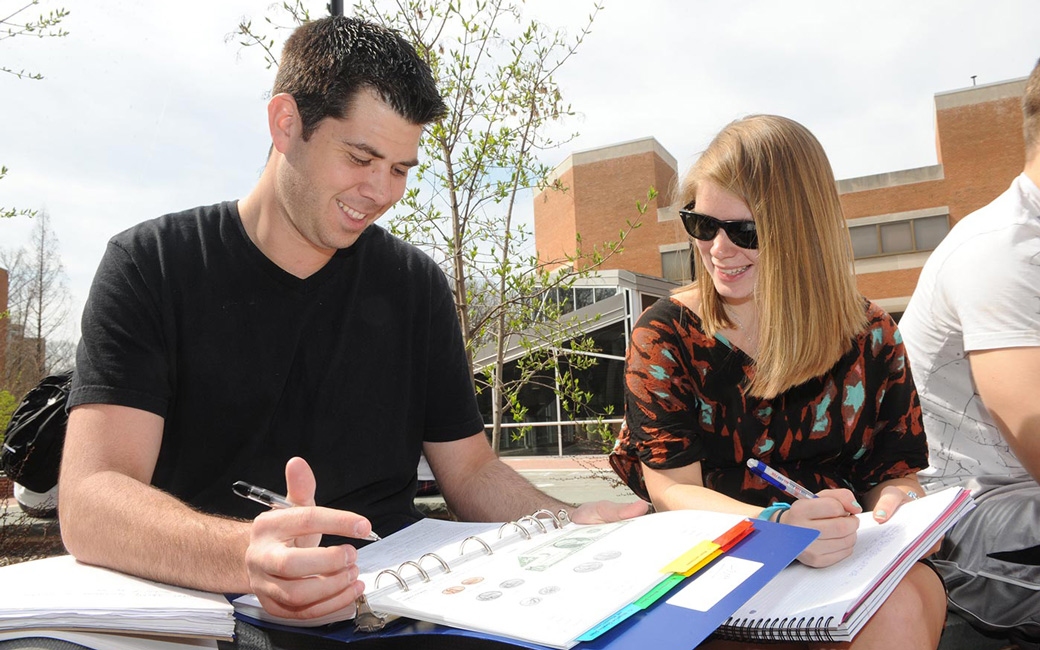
[834,603]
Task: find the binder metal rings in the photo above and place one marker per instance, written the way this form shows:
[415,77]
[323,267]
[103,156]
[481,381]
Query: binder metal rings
[462,546]
[400,569]
[400,580]
[422,572]
[366,620]
[515,524]
[550,515]
[444,565]
[535,520]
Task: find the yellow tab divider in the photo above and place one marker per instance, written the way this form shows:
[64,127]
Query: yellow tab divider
[692,559]
[703,563]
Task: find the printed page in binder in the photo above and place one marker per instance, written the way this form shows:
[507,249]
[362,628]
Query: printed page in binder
[554,586]
[388,553]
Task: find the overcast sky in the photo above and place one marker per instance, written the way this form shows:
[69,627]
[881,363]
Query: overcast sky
[146,108]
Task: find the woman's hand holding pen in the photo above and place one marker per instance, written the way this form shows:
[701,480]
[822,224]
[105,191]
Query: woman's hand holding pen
[290,574]
[829,514]
[826,511]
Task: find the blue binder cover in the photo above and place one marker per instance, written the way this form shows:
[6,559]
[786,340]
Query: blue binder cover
[661,626]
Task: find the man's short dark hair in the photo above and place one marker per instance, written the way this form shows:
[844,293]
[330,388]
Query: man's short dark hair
[325,63]
[1031,112]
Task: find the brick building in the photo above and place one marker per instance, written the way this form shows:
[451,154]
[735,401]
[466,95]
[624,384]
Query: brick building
[895,218]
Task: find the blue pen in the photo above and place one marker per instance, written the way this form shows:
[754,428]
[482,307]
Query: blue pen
[775,478]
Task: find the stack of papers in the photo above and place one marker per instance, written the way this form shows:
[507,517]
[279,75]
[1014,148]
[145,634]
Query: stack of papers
[61,593]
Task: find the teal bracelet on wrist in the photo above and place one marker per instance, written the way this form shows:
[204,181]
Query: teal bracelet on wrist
[768,513]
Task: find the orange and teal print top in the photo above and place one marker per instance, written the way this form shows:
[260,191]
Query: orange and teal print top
[853,427]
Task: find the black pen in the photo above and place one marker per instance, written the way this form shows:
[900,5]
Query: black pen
[274,500]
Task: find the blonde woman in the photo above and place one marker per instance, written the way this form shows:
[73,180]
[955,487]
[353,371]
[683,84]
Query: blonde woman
[772,354]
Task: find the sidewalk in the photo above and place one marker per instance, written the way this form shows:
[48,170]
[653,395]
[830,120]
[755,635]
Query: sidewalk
[571,479]
[11,513]
[23,537]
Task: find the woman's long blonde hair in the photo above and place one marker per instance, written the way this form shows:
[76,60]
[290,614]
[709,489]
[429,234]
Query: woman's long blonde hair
[808,306]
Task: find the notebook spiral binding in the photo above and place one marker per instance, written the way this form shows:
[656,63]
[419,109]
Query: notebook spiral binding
[374,622]
[749,630]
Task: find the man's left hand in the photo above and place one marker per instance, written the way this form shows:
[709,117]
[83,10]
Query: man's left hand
[605,512]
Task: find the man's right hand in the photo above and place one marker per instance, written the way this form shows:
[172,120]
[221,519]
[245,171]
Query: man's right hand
[290,574]
[828,514]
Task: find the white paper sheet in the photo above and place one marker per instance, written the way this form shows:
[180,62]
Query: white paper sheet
[60,592]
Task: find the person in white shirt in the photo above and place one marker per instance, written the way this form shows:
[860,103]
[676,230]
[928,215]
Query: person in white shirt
[972,332]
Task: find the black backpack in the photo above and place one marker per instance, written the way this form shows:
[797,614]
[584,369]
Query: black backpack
[31,454]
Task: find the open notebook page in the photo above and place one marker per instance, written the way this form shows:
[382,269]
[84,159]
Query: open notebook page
[802,591]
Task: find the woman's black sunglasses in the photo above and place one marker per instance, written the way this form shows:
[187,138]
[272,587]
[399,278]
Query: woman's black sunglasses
[702,227]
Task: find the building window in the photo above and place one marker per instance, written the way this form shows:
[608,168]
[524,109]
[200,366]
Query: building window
[604,380]
[929,231]
[583,297]
[569,299]
[675,265]
[895,237]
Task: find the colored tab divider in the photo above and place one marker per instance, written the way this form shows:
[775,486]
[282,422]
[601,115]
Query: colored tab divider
[660,590]
[691,558]
[725,542]
[609,622]
[681,568]
[703,563]
[729,539]
[695,558]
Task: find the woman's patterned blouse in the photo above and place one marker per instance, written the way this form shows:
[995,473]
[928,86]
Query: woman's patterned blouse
[854,427]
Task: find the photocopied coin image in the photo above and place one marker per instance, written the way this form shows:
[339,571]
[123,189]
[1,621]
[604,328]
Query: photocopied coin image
[586,567]
[573,542]
[551,589]
[509,584]
[545,556]
[453,590]
[488,595]
[473,580]
[607,555]
[527,602]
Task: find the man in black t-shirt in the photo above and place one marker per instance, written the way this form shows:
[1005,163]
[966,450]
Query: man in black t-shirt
[233,341]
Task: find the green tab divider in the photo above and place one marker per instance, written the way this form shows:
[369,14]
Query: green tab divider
[661,589]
